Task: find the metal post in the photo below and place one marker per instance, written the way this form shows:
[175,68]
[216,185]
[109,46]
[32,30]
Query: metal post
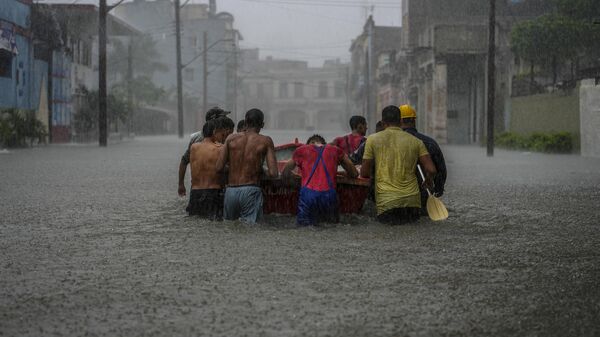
[204,76]
[130,88]
[50,89]
[102,115]
[179,82]
[491,79]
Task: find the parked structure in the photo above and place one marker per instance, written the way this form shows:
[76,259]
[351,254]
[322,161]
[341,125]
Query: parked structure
[156,18]
[294,95]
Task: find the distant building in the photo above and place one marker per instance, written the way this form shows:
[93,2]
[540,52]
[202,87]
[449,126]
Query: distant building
[446,47]
[156,18]
[292,94]
[373,55]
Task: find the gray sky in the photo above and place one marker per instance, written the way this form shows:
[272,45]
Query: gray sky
[311,30]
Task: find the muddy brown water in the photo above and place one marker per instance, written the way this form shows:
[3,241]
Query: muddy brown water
[95,242]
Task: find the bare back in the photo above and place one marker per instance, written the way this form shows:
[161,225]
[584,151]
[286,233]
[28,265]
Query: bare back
[203,160]
[245,154]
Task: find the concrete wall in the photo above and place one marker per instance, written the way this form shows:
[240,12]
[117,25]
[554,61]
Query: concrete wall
[558,111]
[590,118]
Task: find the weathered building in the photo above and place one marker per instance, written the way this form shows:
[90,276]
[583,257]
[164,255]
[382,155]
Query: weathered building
[371,52]
[34,72]
[157,19]
[446,45]
[292,94]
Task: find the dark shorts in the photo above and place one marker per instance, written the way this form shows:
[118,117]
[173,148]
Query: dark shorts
[206,203]
[399,216]
[317,206]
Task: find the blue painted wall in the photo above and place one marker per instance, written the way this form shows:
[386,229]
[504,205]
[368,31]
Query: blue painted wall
[15,92]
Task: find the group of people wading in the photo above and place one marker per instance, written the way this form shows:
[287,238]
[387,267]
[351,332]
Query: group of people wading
[227,168]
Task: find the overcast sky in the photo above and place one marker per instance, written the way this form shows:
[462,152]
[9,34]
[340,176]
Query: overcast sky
[311,30]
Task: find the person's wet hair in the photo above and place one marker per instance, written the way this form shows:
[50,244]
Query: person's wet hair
[317,138]
[355,121]
[409,121]
[226,123]
[241,126]
[390,115]
[255,118]
[208,130]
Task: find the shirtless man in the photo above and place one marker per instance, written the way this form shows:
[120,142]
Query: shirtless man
[206,195]
[245,153]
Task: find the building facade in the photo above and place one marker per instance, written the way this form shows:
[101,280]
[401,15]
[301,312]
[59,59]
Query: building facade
[292,94]
[371,83]
[157,19]
[446,48]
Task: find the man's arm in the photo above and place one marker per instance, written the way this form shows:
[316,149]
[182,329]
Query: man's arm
[223,156]
[349,167]
[287,171]
[273,171]
[428,168]
[182,169]
[365,169]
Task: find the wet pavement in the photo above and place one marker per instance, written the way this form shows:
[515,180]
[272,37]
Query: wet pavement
[96,242]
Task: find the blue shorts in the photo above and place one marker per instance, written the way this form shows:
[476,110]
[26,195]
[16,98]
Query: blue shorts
[244,203]
[317,206]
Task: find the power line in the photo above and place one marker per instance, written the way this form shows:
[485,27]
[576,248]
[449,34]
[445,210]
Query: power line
[330,3]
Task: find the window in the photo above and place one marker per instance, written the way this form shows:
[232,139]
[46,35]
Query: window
[323,89]
[6,58]
[338,89]
[260,90]
[189,74]
[299,90]
[283,90]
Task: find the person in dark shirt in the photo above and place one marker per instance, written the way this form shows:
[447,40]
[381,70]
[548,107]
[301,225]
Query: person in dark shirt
[212,114]
[408,117]
[356,156]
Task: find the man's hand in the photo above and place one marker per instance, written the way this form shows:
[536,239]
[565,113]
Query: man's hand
[181,190]
[427,183]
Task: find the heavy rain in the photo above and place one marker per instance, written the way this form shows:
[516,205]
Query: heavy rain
[299,167]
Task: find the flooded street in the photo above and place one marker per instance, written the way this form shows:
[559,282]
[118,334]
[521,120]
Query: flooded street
[95,241]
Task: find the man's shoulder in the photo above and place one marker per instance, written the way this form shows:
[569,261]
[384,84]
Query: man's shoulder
[425,138]
[196,137]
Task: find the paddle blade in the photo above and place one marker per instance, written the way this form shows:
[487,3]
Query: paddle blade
[436,209]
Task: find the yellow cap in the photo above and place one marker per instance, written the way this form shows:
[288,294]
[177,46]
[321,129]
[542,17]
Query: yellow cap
[406,111]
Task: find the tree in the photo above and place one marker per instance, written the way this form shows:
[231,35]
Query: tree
[145,57]
[566,34]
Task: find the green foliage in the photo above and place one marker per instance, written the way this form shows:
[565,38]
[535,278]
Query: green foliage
[143,90]
[548,37]
[86,119]
[554,142]
[145,57]
[566,34]
[20,128]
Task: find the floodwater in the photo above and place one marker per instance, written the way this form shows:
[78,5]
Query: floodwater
[95,241]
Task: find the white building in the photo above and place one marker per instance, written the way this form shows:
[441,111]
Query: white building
[293,95]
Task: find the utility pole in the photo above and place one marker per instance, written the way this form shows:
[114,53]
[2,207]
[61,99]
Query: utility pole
[102,123]
[204,74]
[179,68]
[130,87]
[491,95]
